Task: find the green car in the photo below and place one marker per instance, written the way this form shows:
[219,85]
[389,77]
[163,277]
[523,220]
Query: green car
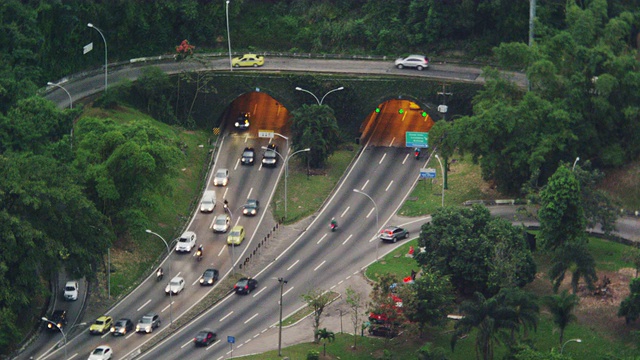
[236,235]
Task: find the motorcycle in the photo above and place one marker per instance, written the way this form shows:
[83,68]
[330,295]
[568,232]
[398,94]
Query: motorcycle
[199,253]
[159,274]
[333,226]
[417,154]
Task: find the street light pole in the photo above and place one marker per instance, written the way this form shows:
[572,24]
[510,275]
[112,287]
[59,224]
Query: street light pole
[286,176]
[376,208]
[63,335]
[105,54]
[169,273]
[574,163]
[315,97]
[568,341]
[65,90]
[442,169]
[228,34]
[282,281]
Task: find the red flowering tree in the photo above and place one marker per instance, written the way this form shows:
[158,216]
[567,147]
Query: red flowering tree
[184,49]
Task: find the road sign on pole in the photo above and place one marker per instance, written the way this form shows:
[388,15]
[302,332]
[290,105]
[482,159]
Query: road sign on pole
[427,173]
[417,139]
[265,134]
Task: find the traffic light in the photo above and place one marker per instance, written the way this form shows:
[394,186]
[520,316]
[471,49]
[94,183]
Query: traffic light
[377,110]
[424,114]
[401,111]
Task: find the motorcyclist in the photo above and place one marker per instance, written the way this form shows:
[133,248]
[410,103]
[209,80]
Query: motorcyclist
[226,204]
[334,223]
[417,152]
[159,273]
[200,250]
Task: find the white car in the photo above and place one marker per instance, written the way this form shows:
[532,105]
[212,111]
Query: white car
[413,61]
[102,352]
[221,178]
[186,242]
[71,291]
[221,223]
[175,286]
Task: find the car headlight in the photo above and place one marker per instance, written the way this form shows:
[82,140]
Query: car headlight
[113,329]
[210,281]
[237,124]
[253,212]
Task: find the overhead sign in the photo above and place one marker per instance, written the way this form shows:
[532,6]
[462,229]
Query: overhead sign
[427,173]
[417,139]
[87,48]
[265,134]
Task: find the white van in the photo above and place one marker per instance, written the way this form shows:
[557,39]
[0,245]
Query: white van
[208,202]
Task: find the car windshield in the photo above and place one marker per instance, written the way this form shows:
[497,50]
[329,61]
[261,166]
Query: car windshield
[146,319]
[201,335]
[69,288]
[250,205]
[208,273]
[99,322]
[242,283]
[183,240]
[220,174]
[221,221]
[175,282]
[235,233]
[121,323]
[247,154]
[98,351]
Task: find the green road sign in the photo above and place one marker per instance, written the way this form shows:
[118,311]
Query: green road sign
[417,139]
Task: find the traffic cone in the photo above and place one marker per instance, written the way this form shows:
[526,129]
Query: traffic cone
[410,250]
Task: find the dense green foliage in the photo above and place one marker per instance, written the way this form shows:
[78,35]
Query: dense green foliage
[314,127]
[630,306]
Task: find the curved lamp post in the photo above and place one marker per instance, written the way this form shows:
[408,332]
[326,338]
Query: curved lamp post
[568,341]
[315,97]
[64,336]
[442,169]
[286,173]
[574,163]
[375,207]
[105,54]
[228,34]
[65,90]
[169,274]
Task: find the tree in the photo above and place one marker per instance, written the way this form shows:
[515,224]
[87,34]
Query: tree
[599,208]
[429,352]
[525,306]
[475,250]
[324,334]
[315,127]
[386,307]
[561,307]
[632,255]
[630,306]
[428,300]
[354,301]
[577,259]
[317,301]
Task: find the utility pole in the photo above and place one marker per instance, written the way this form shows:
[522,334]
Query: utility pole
[443,110]
[532,16]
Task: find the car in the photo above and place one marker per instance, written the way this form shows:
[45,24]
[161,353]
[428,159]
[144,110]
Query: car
[148,322]
[248,60]
[242,122]
[236,235]
[383,330]
[175,286]
[248,155]
[250,208]
[221,178]
[204,338]
[244,286]
[393,233]
[419,62]
[208,202]
[71,291]
[59,318]
[186,242]
[101,325]
[102,352]
[270,157]
[122,327]
[209,277]
[221,223]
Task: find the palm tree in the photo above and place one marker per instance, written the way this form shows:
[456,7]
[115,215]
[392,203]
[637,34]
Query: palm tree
[324,334]
[491,317]
[561,307]
[525,306]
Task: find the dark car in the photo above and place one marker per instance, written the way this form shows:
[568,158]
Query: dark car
[204,338]
[209,277]
[248,156]
[242,123]
[59,317]
[383,330]
[122,327]
[270,157]
[245,285]
[393,233]
[251,207]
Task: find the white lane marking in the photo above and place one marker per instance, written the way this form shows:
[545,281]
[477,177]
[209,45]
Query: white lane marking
[221,251]
[405,159]
[226,316]
[370,211]
[256,335]
[264,330]
[383,156]
[251,318]
[246,138]
[348,277]
[239,346]
[195,282]
[130,335]
[345,211]
[322,238]
[237,163]
[290,288]
[344,242]
[292,265]
[224,195]
[145,304]
[392,140]
[105,334]
[166,307]
[187,343]
[356,272]
[331,288]
[259,291]
[340,282]
[72,356]
[249,194]
[388,186]
[212,345]
[318,267]
[365,185]
[248,339]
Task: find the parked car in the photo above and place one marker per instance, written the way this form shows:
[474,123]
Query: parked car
[148,322]
[71,291]
[248,156]
[175,286]
[248,60]
[270,157]
[384,330]
[244,286]
[221,223]
[59,317]
[101,325]
[221,178]
[102,352]
[186,242]
[419,62]
[209,277]
[122,327]
[393,233]
[251,207]
[236,235]
[204,338]
[242,123]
